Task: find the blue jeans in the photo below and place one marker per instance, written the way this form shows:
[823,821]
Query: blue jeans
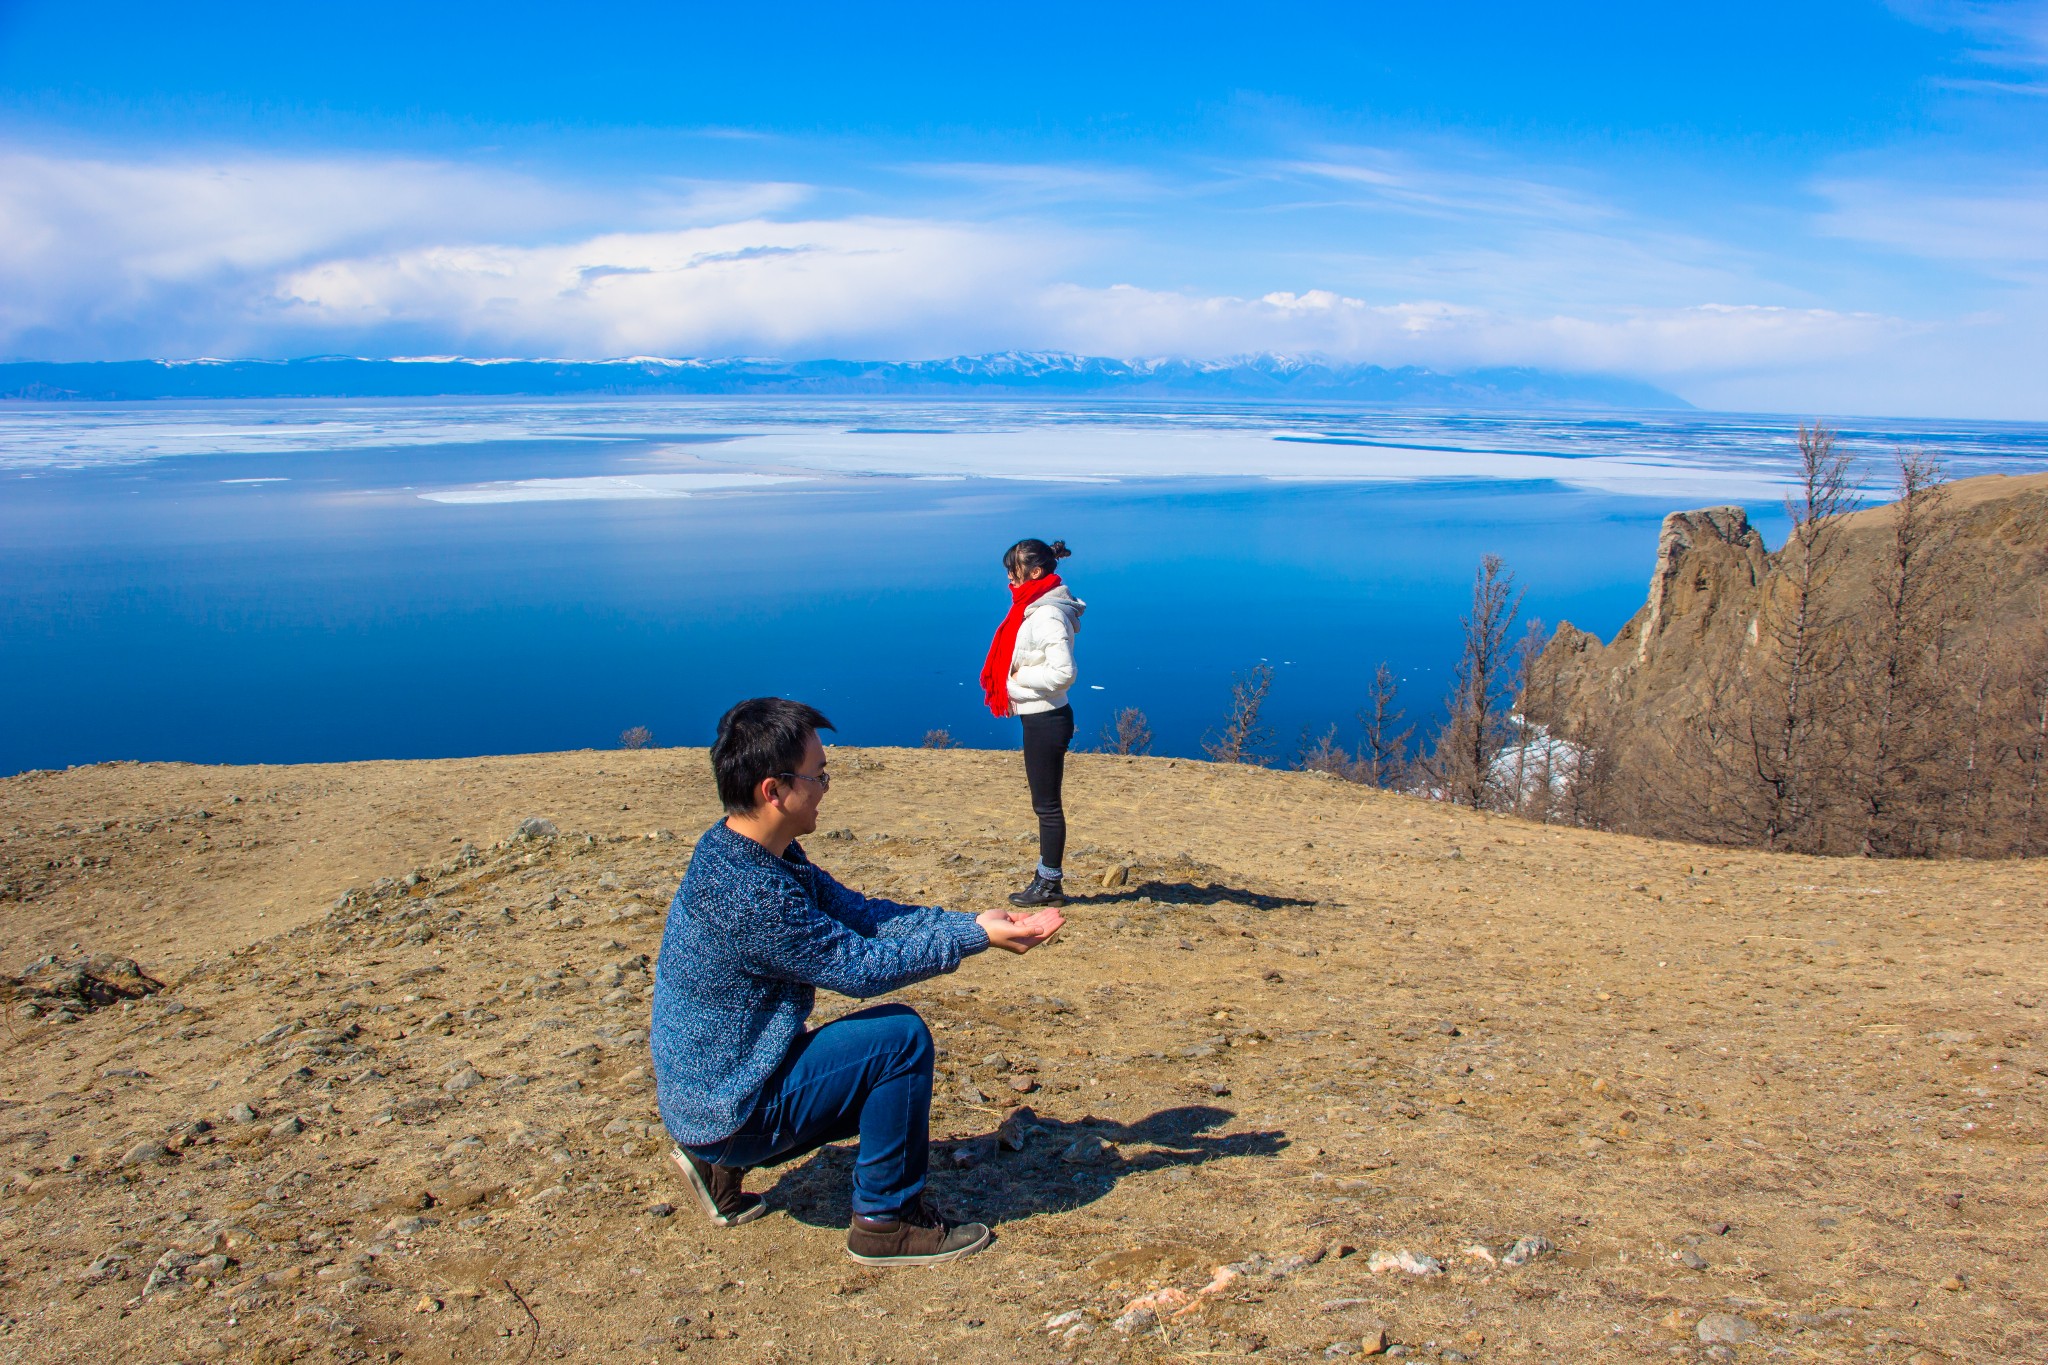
[869,1073]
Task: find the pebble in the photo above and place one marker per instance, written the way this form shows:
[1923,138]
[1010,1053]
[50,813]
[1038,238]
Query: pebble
[406,1226]
[286,1127]
[1527,1249]
[660,1210]
[1731,1328]
[1023,1085]
[1690,1259]
[1340,1348]
[1137,1320]
[243,1113]
[1088,1150]
[534,827]
[145,1153]
[1066,1319]
[1016,1129]
[464,1079]
[1383,1262]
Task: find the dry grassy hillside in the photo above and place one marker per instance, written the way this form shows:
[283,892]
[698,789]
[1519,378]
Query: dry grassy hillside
[393,1100]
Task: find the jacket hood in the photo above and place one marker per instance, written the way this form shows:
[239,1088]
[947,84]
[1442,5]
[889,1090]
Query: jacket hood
[1059,599]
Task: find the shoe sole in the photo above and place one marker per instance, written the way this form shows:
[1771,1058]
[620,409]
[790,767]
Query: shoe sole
[935,1258]
[710,1205]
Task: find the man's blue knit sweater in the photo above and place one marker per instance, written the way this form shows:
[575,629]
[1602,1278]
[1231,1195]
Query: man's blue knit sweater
[750,938]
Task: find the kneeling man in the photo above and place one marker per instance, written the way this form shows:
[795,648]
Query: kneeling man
[752,933]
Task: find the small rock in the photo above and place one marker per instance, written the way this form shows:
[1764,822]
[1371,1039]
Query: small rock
[970,1093]
[1527,1249]
[1116,876]
[1452,1356]
[1015,1129]
[1274,976]
[427,1304]
[1137,1320]
[1383,1262]
[406,1226]
[1730,1328]
[534,827]
[968,1155]
[1088,1150]
[1340,1348]
[287,1127]
[1374,1342]
[1690,1259]
[465,1079]
[145,1153]
[1066,1319]
[1218,1088]
[1023,1085]
[1955,1284]
[660,1210]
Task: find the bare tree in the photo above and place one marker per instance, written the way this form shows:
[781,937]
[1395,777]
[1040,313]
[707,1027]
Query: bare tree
[1243,734]
[1383,757]
[1789,723]
[637,737]
[1461,763]
[1324,754]
[938,739]
[1132,734]
[1896,669]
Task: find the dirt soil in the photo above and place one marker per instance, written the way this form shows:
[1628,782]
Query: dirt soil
[394,1101]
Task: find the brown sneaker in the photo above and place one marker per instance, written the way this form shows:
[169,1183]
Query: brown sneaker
[718,1190]
[914,1235]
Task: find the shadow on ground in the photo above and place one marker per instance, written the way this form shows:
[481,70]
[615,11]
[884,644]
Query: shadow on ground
[1063,1165]
[1188,893]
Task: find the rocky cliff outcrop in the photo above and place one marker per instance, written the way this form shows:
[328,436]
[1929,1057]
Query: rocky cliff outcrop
[1713,576]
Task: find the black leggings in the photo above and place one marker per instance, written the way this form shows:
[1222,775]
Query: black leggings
[1046,737]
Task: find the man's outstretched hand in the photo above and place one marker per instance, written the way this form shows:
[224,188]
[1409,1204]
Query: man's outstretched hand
[1020,933]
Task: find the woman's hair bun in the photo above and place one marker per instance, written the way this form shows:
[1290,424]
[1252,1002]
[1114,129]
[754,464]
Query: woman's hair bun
[1059,549]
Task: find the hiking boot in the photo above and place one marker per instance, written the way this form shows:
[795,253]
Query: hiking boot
[718,1190]
[1042,891]
[914,1235]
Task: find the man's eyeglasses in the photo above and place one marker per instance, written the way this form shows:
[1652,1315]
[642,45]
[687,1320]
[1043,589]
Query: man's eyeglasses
[824,780]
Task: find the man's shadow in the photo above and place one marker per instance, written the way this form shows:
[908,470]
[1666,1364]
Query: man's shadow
[1061,1165]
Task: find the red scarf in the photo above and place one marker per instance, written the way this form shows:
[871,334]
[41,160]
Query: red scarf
[995,674]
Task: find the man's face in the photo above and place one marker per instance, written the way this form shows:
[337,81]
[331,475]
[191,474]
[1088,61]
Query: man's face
[802,795]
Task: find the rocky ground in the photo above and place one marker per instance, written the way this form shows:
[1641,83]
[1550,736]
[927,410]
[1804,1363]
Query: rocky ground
[1313,1072]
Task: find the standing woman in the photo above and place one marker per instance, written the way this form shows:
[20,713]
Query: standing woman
[1029,670]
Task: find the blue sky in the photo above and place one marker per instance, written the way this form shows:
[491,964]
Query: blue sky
[1815,208]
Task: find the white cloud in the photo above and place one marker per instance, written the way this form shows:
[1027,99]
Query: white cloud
[1668,343]
[100,257]
[1998,225]
[1395,180]
[103,258]
[755,286]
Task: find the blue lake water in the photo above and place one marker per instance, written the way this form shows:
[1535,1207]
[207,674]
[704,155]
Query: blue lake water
[286,582]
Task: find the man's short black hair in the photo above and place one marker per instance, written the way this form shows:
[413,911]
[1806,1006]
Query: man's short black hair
[757,739]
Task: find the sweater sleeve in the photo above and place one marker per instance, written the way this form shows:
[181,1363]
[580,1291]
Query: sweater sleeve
[791,938]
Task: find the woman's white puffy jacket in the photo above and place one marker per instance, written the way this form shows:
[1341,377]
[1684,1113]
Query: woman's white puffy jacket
[1042,666]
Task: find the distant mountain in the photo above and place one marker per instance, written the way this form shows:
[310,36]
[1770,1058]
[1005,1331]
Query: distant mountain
[1005,373]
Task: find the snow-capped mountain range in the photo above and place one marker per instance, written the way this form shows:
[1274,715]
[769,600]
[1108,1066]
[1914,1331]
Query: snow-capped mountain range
[1004,373]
